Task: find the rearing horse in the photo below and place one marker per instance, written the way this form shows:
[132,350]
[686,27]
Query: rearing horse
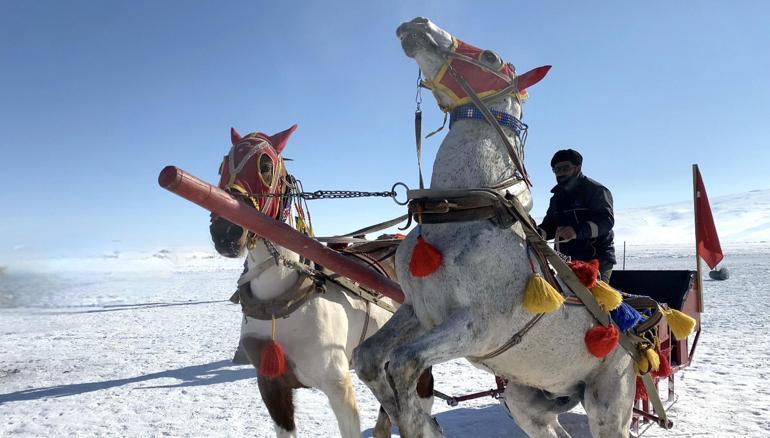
[317,325]
[472,303]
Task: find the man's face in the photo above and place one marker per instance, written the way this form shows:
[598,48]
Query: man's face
[564,170]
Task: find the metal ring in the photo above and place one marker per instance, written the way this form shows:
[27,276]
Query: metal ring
[393,190]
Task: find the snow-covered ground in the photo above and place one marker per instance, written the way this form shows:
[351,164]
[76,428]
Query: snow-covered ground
[140,345]
[147,353]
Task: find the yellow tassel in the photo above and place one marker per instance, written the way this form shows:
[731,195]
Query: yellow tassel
[681,324]
[648,361]
[653,359]
[607,297]
[540,296]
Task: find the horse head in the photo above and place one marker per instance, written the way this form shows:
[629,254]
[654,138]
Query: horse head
[253,170]
[442,57]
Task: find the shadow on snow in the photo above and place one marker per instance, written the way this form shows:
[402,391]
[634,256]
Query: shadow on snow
[492,421]
[222,371]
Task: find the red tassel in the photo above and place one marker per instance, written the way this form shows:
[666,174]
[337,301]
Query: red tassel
[641,391]
[425,258]
[664,370]
[587,272]
[272,362]
[602,340]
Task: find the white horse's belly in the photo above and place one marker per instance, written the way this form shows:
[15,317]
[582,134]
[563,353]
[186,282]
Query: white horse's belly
[485,269]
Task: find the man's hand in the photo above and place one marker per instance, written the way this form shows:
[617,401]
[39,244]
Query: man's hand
[565,234]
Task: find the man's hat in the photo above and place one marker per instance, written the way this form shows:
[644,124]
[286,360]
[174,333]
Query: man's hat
[570,155]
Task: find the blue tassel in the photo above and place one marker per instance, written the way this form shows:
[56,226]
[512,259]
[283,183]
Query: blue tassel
[626,317]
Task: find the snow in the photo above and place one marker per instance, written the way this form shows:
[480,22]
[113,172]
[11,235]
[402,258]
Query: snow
[139,344]
[743,217]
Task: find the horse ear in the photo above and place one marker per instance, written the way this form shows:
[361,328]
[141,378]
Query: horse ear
[234,136]
[532,77]
[279,140]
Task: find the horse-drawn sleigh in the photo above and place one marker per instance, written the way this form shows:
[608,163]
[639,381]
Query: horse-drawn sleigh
[549,330]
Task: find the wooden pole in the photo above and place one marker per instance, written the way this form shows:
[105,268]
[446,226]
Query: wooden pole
[699,275]
[218,201]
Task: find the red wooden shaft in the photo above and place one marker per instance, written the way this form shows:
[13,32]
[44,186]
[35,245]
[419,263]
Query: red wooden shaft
[218,201]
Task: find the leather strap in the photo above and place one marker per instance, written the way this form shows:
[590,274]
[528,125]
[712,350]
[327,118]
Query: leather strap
[571,280]
[280,306]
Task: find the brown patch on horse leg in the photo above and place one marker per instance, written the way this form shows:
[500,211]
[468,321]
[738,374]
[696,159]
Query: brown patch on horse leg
[277,393]
[425,390]
[279,400]
[425,384]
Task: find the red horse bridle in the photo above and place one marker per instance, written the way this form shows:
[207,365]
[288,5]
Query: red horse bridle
[254,170]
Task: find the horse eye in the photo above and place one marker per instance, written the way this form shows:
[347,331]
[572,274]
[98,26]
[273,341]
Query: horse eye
[491,58]
[266,169]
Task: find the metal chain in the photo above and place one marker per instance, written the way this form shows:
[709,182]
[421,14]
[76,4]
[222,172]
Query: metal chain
[327,194]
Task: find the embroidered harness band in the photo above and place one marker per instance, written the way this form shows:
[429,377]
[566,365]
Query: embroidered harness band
[471,112]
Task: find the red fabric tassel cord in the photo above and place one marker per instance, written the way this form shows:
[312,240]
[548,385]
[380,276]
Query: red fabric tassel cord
[586,272]
[641,391]
[664,370]
[272,362]
[425,260]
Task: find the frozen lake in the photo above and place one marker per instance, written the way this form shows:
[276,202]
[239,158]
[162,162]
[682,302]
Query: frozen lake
[143,348]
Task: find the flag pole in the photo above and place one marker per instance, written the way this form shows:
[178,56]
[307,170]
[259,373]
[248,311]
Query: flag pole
[698,276]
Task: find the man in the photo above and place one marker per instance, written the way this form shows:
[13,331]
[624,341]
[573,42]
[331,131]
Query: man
[580,214]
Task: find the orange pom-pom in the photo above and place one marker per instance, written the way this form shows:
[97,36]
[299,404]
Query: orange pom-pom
[602,340]
[586,272]
[425,258]
[272,362]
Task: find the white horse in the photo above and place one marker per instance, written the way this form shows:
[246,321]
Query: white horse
[318,337]
[472,304]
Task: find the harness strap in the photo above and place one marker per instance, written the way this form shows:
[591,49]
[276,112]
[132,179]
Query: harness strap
[252,274]
[514,340]
[280,306]
[571,280]
[343,282]
[366,323]
[491,120]
[369,229]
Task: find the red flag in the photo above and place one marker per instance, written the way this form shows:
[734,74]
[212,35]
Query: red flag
[705,232]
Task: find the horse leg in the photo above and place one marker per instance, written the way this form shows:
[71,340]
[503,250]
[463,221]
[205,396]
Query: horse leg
[456,337]
[424,391]
[534,413]
[383,426]
[609,400]
[338,387]
[279,399]
[277,393]
[370,357]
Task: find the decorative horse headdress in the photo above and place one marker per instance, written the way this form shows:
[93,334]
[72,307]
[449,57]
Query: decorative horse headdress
[467,61]
[254,168]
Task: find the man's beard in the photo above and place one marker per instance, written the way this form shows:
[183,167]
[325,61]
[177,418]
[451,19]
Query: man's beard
[567,182]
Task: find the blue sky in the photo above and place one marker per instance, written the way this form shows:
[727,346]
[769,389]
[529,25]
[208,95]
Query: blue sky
[97,97]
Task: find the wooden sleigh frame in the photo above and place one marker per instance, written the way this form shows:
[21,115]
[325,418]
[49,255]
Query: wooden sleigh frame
[679,290]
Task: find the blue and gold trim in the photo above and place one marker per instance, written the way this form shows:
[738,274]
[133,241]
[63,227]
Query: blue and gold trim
[466,112]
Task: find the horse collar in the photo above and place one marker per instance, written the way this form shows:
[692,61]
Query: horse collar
[470,111]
